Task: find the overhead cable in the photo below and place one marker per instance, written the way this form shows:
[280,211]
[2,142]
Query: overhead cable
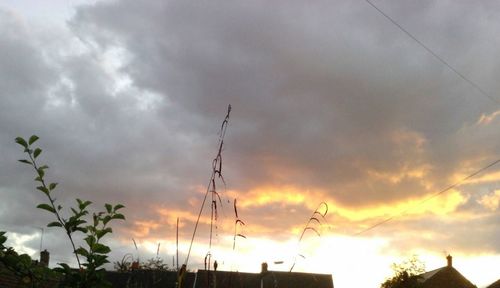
[428,198]
[439,58]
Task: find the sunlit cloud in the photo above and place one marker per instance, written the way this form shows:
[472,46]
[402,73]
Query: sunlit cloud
[442,205]
[289,195]
[143,228]
[261,196]
[486,119]
[485,178]
[491,201]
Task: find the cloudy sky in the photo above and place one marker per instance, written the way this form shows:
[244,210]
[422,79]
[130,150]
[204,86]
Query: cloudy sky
[331,102]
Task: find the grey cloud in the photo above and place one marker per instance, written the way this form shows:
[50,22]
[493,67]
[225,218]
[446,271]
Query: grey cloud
[311,80]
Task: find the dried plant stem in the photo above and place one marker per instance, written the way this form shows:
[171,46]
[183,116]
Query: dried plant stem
[309,227]
[211,189]
[237,222]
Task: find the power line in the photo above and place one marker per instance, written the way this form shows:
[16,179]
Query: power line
[427,199]
[473,84]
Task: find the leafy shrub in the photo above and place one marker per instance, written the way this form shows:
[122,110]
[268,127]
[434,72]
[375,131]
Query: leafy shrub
[22,267]
[90,273]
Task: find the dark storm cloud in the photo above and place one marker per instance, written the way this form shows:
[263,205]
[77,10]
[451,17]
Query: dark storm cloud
[327,96]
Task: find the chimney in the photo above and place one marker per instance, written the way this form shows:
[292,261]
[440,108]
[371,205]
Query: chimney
[450,260]
[44,258]
[263,268]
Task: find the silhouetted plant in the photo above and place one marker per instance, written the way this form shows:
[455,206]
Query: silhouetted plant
[125,264]
[406,274]
[90,273]
[317,218]
[28,272]
[212,189]
[215,197]
[237,223]
[155,263]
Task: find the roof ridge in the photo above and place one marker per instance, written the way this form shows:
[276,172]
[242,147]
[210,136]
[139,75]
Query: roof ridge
[427,275]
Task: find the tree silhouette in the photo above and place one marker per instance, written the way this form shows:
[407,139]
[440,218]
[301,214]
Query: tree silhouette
[406,274]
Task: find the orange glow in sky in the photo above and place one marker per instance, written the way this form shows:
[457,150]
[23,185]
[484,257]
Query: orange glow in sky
[342,255]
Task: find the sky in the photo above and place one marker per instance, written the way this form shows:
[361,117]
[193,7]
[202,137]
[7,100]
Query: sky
[331,102]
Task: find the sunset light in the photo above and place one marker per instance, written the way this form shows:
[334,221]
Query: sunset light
[315,144]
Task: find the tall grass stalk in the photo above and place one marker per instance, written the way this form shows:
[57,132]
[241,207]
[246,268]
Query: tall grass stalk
[212,190]
[317,218]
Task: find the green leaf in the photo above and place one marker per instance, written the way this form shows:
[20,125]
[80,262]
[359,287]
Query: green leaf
[3,239]
[108,207]
[33,138]
[90,240]
[91,228]
[43,189]
[82,251]
[66,268]
[119,216]
[118,206]
[101,248]
[25,161]
[43,167]
[52,186]
[59,269]
[46,207]
[101,233]
[37,152]
[73,222]
[41,173]
[106,219]
[81,229]
[83,204]
[38,178]
[100,260]
[80,222]
[54,224]
[22,142]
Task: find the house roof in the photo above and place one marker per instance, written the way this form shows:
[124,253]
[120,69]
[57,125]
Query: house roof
[270,279]
[445,277]
[427,275]
[495,284]
[147,278]
[223,279]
